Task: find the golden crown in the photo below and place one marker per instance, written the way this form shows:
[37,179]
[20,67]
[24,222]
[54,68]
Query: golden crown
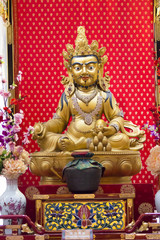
[82,49]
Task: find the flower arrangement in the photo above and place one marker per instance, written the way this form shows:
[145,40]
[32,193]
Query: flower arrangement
[155,128]
[14,159]
[153,161]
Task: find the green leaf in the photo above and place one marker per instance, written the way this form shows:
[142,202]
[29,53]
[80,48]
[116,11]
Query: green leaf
[1,165]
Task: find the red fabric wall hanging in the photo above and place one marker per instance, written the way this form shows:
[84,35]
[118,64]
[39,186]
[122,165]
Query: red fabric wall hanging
[125,28]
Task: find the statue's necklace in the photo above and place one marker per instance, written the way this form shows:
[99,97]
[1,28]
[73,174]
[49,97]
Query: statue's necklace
[88,116]
[88,98]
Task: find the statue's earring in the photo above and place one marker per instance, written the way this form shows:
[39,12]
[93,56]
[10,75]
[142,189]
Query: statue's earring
[70,88]
[98,77]
[70,76]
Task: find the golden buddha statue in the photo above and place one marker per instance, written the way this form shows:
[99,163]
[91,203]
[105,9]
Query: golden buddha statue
[85,99]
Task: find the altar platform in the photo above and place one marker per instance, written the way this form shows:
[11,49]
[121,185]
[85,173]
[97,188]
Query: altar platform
[113,212]
[143,201]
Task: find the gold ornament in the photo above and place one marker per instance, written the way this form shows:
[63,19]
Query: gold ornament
[30,191]
[145,207]
[88,98]
[127,188]
[63,190]
[82,48]
[88,117]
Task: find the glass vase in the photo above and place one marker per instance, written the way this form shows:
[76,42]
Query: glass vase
[12,202]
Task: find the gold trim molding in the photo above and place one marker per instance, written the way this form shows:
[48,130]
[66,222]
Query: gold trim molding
[39,237]
[130,236]
[84,196]
[152,236]
[14,238]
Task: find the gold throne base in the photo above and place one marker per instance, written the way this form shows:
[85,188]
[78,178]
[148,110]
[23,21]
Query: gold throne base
[119,166]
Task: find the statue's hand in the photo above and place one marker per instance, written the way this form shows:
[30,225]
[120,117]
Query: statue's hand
[39,131]
[109,131]
[94,132]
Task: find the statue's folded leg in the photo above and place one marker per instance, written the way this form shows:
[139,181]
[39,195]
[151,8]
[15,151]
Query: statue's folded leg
[65,143]
[119,141]
[50,142]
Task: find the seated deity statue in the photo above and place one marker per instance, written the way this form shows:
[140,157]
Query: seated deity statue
[85,100]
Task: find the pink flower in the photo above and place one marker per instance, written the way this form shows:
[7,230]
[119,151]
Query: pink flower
[25,140]
[16,137]
[6,94]
[17,151]
[18,118]
[1,150]
[1,116]
[11,146]
[1,60]
[1,92]
[16,128]
[19,76]
[4,81]
[13,168]
[30,129]
[153,161]
[12,87]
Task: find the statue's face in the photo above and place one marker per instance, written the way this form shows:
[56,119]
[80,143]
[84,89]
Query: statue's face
[85,70]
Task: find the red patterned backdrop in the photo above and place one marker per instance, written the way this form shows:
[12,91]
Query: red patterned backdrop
[125,28]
